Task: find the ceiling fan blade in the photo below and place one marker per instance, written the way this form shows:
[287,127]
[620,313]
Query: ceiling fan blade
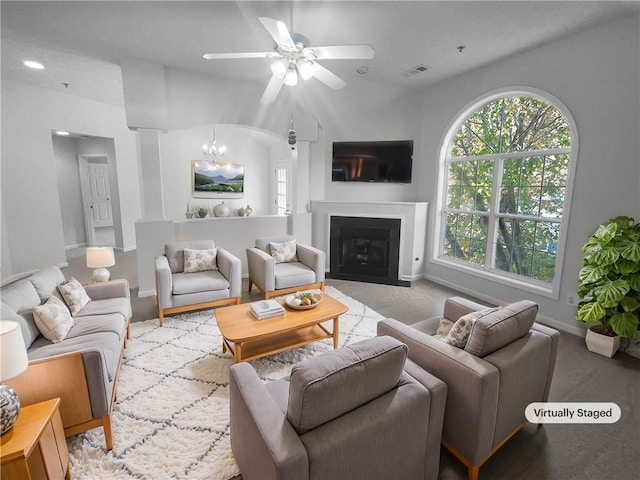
[342,52]
[272,90]
[226,56]
[278,30]
[328,78]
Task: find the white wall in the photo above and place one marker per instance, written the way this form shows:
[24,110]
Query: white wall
[363,111]
[178,148]
[30,199]
[65,152]
[596,75]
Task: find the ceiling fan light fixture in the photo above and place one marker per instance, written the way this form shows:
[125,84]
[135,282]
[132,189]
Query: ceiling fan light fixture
[291,77]
[279,68]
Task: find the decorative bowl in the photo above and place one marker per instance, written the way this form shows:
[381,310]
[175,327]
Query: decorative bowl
[201,212]
[291,300]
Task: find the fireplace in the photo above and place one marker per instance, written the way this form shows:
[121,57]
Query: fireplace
[365,249]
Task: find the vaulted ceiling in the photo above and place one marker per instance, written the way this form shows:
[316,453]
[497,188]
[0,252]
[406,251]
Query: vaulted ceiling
[81,43]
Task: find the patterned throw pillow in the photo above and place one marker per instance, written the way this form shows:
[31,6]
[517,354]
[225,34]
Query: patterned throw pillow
[53,319]
[444,327]
[200,260]
[74,295]
[283,252]
[460,330]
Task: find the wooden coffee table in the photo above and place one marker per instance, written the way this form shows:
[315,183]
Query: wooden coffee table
[248,338]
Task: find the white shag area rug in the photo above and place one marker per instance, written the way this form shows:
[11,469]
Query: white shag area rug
[171,417]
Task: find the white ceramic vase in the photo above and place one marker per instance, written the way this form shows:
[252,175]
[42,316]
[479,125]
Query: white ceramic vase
[221,210]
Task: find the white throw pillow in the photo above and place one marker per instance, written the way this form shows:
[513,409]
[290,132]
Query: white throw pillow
[200,260]
[53,319]
[459,332]
[74,295]
[283,252]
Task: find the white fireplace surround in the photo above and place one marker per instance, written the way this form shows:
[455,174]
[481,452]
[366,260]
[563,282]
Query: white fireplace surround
[413,228]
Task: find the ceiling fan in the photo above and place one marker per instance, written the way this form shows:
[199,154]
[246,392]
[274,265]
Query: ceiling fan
[294,57]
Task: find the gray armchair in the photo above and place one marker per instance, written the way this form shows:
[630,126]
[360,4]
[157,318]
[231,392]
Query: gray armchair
[179,291]
[508,362]
[351,413]
[305,271]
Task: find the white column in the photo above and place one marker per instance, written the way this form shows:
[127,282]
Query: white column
[150,174]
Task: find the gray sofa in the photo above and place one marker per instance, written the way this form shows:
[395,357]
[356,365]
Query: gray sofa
[358,412]
[507,363]
[82,369]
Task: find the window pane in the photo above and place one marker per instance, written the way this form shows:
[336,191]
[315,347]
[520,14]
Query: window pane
[529,201]
[512,124]
[527,248]
[552,202]
[467,198]
[453,197]
[556,170]
[465,237]
[469,185]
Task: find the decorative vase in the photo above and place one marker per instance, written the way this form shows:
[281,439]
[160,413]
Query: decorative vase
[221,210]
[241,212]
[248,210]
[10,408]
[201,212]
[601,344]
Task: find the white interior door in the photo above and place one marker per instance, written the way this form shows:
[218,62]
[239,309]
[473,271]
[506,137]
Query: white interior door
[100,194]
[96,195]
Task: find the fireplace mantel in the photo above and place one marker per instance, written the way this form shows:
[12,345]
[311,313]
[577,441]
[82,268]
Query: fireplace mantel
[413,230]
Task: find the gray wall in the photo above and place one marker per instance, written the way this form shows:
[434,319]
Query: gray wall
[596,75]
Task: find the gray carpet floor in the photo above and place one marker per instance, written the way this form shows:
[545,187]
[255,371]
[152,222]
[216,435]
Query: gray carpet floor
[555,451]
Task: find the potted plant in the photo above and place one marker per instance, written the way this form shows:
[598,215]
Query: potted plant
[609,284]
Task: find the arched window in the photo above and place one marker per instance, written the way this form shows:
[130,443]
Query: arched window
[504,195]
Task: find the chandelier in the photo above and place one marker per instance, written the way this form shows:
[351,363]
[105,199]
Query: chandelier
[213,151]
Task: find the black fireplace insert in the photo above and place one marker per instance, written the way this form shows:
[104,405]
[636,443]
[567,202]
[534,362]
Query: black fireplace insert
[365,249]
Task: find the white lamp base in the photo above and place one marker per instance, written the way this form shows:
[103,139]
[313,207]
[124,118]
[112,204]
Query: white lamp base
[101,275]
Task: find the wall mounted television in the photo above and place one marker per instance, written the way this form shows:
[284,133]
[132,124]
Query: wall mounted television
[375,161]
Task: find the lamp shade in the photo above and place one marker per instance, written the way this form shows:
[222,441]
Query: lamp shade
[13,353]
[100,257]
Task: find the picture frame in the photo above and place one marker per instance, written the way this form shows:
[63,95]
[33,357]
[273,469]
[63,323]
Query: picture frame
[216,179]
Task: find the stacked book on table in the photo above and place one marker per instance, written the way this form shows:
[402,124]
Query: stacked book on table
[266,309]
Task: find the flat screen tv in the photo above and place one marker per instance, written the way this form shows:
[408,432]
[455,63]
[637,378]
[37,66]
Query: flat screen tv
[376,161]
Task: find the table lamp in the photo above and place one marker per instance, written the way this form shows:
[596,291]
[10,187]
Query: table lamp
[13,362]
[99,258]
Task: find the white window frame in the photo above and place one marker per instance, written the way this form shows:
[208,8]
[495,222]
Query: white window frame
[550,290]
[285,166]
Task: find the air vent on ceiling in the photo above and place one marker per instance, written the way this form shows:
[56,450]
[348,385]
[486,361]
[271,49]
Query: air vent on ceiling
[416,70]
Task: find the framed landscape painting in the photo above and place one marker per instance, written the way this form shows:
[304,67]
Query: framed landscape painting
[216,179]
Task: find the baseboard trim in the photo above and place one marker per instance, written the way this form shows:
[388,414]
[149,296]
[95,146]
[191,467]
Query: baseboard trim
[146,293]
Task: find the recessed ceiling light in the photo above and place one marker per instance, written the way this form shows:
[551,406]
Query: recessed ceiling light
[34,65]
[62,133]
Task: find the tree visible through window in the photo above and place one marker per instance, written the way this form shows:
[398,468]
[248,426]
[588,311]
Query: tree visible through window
[506,181]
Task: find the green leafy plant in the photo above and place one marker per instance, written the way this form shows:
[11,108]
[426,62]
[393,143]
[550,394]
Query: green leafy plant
[609,280]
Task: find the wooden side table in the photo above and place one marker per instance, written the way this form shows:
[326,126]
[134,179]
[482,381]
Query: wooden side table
[36,448]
